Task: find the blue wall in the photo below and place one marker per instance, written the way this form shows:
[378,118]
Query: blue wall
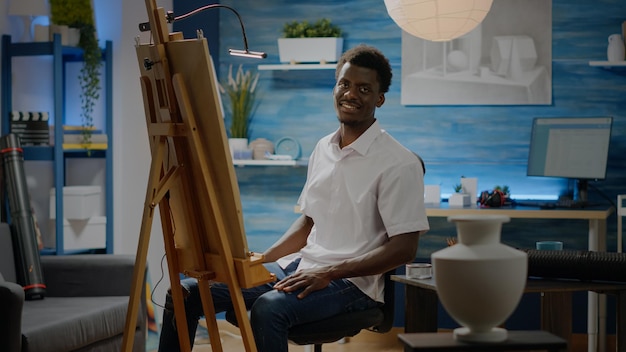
[487,142]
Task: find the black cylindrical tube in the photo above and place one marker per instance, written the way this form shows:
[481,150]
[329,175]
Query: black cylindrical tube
[577,264]
[23,231]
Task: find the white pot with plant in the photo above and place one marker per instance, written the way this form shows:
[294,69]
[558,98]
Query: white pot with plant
[241,92]
[458,198]
[305,42]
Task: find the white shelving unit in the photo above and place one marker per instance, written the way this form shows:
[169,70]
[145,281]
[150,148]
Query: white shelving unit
[56,153]
[288,67]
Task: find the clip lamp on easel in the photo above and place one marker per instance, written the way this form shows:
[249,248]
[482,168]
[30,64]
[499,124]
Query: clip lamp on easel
[145,26]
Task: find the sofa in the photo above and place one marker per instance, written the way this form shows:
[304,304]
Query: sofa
[84,308]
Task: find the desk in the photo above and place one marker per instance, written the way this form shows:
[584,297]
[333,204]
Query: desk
[595,215]
[556,304]
[516,341]
[596,313]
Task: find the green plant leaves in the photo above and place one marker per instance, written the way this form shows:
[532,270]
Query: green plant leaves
[303,29]
[73,13]
[79,14]
[241,91]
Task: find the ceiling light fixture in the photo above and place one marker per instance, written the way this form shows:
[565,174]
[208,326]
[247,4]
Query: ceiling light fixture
[438,20]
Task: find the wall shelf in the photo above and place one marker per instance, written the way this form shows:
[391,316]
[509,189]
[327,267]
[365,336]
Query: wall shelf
[608,64]
[287,67]
[252,162]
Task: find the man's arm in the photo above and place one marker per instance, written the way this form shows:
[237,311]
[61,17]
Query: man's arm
[398,250]
[292,241]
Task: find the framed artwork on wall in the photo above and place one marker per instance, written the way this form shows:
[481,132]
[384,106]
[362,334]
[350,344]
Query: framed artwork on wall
[506,60]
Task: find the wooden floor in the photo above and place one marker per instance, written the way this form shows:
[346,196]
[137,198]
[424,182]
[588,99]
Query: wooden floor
[366,341]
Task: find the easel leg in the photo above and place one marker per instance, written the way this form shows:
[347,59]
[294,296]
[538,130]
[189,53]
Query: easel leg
[142,250]
[242,315]
[209,315]
[136,288]
[175,287]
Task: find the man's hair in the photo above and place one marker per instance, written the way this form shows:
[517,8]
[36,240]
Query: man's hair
[368,57]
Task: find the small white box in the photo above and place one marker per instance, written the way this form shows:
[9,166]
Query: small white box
[82,234]
[79,202]
[432,195]
[470,186]
[459,200]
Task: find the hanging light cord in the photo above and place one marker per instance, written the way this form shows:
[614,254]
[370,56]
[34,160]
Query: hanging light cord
[207,7]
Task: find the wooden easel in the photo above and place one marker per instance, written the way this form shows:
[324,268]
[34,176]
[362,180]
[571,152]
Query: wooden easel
[193,182]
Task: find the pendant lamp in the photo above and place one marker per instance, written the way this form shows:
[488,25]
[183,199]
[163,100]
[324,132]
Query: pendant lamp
[438,20]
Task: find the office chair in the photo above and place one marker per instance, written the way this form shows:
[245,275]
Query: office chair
[379,319]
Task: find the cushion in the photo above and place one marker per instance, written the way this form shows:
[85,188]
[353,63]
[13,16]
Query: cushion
[70,323]
[7,264]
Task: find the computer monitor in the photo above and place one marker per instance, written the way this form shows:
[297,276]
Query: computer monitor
[570,147]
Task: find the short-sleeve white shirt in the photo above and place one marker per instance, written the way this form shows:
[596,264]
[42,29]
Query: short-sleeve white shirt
[359,196]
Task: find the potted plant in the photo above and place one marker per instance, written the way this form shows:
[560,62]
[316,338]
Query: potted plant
[458,198]
[303,41]
[240,90]
[79,14]
[504,189]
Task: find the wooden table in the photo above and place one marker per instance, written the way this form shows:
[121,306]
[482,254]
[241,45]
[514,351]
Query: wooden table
[421,304]
[596,216]
[516,340]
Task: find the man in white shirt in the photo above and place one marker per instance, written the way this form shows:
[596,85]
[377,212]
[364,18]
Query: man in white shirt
[362,214]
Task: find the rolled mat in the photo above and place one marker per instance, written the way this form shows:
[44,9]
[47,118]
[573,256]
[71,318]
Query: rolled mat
[27,264]
[580,265]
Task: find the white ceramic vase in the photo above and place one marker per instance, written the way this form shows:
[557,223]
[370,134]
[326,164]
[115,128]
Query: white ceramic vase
[615,50]
[479,280]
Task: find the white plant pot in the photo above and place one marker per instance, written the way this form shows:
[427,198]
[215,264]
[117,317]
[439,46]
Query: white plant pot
[479,280]
[237,144]
[459,200]
[73,36]
[62,31]
[69,36]
[303,50]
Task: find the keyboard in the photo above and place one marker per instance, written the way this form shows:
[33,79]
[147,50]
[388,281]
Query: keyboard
[568,203]
[564,203]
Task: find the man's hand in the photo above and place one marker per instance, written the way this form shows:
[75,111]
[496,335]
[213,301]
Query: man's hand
[400,249]
[308,280]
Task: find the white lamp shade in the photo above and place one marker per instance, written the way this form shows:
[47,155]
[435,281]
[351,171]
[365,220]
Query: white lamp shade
[29,8]
[438,20]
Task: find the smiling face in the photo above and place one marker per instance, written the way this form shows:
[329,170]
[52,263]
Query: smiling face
[357,95]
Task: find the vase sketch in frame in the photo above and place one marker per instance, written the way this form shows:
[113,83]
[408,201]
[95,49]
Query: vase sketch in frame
[501,62]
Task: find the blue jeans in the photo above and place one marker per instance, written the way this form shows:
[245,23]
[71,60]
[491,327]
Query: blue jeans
[272,312]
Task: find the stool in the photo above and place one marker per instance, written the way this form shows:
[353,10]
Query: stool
[516,341]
